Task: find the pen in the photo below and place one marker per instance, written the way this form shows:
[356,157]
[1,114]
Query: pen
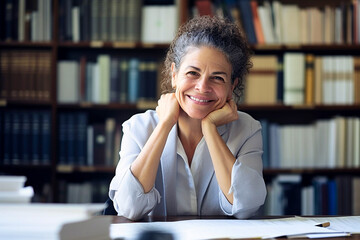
[325,224]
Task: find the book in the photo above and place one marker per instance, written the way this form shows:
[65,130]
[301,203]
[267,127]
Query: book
[204,7]
[294,78]
[261,83]
[257,23]
[110,127]
[309,79]
[104,78]
[68,81]
[124,80]
[247,20]
[12,190]
[133,80]
[81,138]
[99,144]
[267,23]
[45,137]
[290,24]
[318,80]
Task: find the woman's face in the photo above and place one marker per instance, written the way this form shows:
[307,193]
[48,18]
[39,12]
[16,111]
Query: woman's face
[203,81]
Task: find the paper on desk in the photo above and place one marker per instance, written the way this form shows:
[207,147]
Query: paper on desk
[350,224]
[212,229]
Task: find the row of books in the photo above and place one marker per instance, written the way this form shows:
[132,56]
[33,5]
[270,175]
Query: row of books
[117,20]
[94,191]
[25,75]
[108,79]
[82,143]
[277,22]
[26,20]
[290,195]
[327,143]
[299,78]
[26,137]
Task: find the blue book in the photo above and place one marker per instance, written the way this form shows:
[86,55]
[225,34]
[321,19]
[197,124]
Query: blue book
[8,137]
[114,79]
[15,156]
[62,140]
[123,78]
[70,138]
[280,79]
[247,20]
[134,80]
[152,70]
[35,137]
[25,138]
[45,138]
[81,141]
[332,196]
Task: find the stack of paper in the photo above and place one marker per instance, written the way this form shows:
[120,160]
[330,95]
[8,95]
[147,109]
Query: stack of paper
[294,227]
[53,221]
[12,190]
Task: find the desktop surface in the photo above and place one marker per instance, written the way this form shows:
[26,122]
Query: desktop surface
[119,219]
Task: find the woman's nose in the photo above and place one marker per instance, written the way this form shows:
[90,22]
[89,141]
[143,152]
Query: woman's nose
[202,84]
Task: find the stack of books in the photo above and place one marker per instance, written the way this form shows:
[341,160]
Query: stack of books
[12,190]
[54,221]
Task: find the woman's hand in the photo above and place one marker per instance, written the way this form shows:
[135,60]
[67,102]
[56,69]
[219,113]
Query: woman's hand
[226,114]
[168,109]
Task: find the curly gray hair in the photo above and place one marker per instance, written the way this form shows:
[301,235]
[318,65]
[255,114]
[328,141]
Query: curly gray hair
[212,32]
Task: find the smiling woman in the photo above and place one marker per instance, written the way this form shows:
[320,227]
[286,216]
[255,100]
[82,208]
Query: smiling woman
[195,154]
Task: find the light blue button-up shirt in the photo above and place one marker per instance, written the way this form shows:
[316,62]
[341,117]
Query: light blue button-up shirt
[183,190]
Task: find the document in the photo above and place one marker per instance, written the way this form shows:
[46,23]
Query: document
[229,229]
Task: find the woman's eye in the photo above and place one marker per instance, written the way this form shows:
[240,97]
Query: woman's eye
[219,78]
[192,73]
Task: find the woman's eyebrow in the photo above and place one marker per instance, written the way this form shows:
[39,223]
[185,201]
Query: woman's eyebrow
[213,73]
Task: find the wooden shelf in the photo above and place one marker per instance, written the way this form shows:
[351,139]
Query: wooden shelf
[110,106]
[307,47]
[70,169]
[119,45]
[27,44]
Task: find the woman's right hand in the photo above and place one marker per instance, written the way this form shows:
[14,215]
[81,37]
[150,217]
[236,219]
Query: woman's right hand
[168,109]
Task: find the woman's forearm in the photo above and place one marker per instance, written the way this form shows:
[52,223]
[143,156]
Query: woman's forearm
[144,168]
[222,158]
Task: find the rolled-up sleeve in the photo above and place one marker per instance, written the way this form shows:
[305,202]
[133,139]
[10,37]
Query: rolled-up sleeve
[247,183]
[127,193]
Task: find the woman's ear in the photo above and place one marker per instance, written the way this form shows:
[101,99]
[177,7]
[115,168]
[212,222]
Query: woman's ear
[233,85]
[173,75]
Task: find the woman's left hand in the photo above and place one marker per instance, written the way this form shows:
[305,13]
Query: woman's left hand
[226,114]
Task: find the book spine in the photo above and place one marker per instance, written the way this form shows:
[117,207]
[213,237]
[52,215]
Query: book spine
[45,138]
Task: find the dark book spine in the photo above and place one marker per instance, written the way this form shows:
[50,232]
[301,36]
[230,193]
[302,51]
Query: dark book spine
[81,143]
[7,138]
[25,140]
[114,79]
[16,123]
[35,138]
[70,138]
[45,137]
[247,19]
[62,139]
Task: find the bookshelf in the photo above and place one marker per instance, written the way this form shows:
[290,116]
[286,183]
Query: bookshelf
[51,179]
